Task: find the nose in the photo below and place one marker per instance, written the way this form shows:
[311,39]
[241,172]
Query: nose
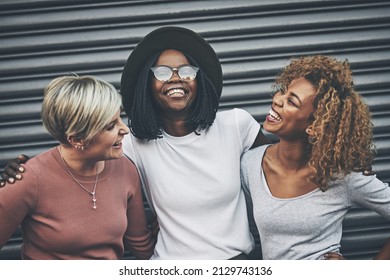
[124,128]
[175,75]
[277,100]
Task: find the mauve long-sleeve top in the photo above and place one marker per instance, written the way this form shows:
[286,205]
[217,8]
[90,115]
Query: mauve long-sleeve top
[57,218]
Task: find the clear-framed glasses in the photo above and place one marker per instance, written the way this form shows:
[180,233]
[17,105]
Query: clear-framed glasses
[186,73]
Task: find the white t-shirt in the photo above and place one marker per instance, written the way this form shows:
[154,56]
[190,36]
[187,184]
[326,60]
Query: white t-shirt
[193,184]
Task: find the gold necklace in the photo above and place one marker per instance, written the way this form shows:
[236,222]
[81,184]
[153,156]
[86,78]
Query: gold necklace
[93,192]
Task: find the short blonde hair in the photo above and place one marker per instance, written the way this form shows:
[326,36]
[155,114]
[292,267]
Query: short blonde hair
[78,105]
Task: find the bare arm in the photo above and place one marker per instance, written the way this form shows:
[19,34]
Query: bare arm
[384,253]
[260,140]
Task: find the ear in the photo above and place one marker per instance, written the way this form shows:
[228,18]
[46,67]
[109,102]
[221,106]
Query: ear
[76,142]
[309,131]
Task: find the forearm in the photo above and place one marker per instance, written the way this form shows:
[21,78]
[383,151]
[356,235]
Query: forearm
[8,224]
[384,253]
[141,247]
[261,139]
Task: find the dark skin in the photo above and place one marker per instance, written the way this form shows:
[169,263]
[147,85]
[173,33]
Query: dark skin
[333,256]
[285,163]
[384,253]
[13,169]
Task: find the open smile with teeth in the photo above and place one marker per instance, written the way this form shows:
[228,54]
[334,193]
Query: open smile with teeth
[176,92]
[274,116]
[118,144]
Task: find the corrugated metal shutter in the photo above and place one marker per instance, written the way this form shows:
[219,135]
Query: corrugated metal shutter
[41,39]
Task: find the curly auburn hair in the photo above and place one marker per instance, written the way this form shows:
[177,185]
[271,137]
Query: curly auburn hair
[341,137]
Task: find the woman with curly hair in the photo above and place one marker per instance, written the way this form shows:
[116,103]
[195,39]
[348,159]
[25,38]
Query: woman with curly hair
[303,186]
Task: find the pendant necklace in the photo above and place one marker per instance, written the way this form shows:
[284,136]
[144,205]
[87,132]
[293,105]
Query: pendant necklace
[93,192]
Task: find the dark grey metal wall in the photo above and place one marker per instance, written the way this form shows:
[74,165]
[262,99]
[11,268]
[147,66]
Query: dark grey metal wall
[41,39]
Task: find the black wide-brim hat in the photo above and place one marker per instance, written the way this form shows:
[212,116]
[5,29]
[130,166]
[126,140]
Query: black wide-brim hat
[169,37]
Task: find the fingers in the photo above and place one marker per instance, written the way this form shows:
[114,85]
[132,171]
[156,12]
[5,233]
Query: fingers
[366,170]
[23,158]
[333,256]
[9,176]
[13,167]
[6,179]
[12,170]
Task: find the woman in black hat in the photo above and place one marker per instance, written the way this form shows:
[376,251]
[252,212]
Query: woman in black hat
[187,153]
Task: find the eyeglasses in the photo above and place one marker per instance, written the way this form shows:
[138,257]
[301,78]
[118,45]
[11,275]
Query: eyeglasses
[186,73]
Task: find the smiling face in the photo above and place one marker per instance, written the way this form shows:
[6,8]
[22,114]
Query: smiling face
[174,95]
[107,144]
[291,110]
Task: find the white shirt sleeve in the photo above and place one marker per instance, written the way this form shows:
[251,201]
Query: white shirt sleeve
[128,148]
[247,127]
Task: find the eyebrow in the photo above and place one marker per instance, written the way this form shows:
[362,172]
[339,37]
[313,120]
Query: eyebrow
[296,96]
[111,122]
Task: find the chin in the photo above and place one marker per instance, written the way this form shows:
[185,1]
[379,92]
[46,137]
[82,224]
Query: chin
[115,155]
[267,127]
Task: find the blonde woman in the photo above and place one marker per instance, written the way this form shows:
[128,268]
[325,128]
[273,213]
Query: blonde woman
[81,199]
[303,186]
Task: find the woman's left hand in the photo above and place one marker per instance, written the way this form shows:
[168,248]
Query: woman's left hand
[333,256]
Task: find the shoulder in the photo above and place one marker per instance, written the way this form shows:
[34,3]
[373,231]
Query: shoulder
[361,186]
[359,179]
[41,158]
[123,171]
[128,145]
[236,118]
[253,156]
[124,163]
[26,191]
[233,113]
[42,164]
[224,116]
[255,152]
[121,167]
[369,192]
